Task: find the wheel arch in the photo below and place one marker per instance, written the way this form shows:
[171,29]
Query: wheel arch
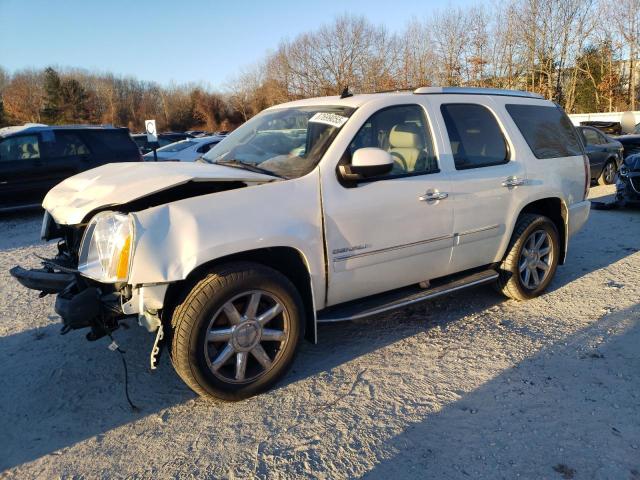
[288,261]
[556,210]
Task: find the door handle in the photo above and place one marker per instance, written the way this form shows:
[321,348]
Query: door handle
[432,196]
[514,182]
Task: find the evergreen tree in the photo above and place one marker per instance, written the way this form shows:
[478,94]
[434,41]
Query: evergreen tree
[73,102]
[51,112]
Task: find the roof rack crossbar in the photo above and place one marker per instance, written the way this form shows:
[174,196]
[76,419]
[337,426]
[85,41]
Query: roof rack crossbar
[475,91]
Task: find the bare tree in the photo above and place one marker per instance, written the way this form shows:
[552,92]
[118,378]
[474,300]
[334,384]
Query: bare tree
[626,20]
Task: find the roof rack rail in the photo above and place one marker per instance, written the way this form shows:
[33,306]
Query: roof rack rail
[475,91]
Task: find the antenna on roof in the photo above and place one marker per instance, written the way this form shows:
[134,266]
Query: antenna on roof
[346,93]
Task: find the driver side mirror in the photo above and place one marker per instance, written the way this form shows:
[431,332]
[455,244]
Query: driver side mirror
[367,162]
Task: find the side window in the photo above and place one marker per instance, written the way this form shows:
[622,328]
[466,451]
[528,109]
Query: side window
[19,148]
[475,136]
[546,129]
[65,145]
[402,131]
[591,136]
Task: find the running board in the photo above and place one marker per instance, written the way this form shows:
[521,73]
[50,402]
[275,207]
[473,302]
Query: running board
[400,298]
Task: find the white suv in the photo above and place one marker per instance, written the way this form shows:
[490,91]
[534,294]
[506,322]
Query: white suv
[318,210]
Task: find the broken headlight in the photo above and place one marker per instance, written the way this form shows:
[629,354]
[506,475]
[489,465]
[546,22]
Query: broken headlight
[105,251]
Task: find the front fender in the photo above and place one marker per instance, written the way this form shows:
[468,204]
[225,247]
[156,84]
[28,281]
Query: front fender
[175,238]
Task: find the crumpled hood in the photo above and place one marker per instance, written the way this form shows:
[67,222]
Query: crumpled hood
[73,199]
[633,162]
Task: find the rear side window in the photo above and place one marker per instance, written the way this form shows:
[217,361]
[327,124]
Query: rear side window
[111,140]
[475,136]
[547,130]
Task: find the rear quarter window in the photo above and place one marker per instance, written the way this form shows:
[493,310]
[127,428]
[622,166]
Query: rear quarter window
[547,130]
[118,141]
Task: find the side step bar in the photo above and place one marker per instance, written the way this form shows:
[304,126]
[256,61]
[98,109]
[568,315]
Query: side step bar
[403,297]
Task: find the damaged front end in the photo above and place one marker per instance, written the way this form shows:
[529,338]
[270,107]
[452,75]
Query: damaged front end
[81,302]
[628,182]
[89,276]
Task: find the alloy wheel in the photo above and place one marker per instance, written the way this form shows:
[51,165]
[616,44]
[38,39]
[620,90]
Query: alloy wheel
[246,336]
[536,259]
[609,173]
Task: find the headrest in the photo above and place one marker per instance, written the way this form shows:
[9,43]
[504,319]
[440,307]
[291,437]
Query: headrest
[405,135]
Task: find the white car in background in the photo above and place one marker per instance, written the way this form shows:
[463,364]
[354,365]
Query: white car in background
[188,150]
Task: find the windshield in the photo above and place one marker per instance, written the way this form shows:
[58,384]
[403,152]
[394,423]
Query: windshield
[288,142]
[177,146]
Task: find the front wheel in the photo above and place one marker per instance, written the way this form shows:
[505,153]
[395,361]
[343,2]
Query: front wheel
[237,331]
[531,259]
[608,175]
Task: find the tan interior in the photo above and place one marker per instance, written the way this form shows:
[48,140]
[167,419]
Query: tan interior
[405,144]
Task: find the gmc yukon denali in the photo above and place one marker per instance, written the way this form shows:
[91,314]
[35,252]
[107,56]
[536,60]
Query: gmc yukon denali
[318,210]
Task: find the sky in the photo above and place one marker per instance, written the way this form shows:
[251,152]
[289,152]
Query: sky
[206,42]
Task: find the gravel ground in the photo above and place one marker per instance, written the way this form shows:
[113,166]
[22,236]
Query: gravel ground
[468,386]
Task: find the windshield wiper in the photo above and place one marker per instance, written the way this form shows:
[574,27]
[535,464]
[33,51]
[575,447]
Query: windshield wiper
[247,166]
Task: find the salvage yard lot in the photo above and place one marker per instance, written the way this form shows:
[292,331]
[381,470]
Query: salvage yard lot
[467,386]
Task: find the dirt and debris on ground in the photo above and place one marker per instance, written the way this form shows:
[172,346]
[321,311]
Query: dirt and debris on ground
[467,386]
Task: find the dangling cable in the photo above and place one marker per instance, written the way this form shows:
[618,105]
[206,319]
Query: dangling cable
[113,346]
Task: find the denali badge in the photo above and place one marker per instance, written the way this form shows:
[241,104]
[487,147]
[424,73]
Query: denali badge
[351,249]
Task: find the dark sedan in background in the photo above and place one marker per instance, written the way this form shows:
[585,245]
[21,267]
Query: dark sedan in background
[605,154]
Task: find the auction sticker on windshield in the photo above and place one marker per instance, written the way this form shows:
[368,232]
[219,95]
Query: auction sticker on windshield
[329,119]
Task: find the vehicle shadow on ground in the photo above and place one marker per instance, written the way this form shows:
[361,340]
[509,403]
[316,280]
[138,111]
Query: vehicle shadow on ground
[573,403]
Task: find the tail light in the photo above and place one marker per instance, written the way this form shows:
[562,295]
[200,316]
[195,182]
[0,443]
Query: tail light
[587,176]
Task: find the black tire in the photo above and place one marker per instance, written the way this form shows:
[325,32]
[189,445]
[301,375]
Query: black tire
[608,175]
[509,281]
[192,355]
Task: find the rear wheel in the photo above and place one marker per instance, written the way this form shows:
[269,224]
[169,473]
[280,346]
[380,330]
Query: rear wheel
[608,175]
[531,259]
[237,331]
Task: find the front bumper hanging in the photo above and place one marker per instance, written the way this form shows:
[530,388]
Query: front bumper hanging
[42,279]
[78,303]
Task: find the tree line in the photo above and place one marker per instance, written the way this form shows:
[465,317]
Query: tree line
[582,54]
[56,96]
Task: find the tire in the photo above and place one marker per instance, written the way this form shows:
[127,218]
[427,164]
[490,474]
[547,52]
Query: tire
[217,334]
[608,175]
[510,281]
